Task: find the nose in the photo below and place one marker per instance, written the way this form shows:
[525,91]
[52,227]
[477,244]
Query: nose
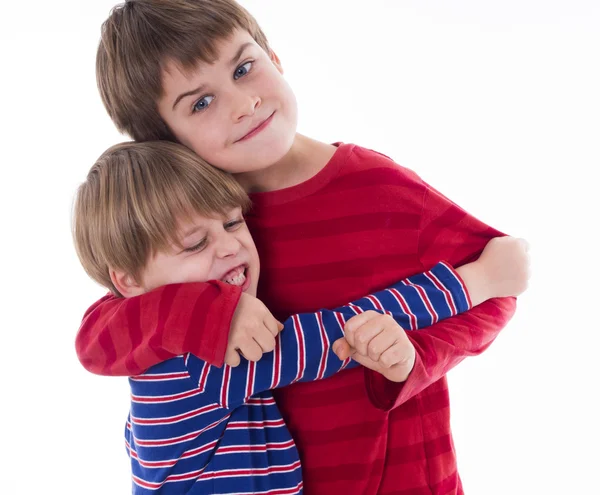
[244,105]
[227,245]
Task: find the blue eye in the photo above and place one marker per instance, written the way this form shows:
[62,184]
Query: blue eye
[202,103]
[242,70]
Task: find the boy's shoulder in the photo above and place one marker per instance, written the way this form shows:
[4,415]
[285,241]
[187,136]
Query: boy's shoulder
[369,167]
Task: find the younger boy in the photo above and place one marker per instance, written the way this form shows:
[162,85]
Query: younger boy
[331,224]
[154,213]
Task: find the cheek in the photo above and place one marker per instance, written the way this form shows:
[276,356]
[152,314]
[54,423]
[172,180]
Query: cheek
[196,269]
[273,84]
[203,138]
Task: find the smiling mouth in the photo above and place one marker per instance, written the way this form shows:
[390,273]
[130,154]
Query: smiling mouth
[257,129]
[237,276]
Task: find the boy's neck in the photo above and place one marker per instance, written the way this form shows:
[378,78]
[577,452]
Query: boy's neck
[306,158]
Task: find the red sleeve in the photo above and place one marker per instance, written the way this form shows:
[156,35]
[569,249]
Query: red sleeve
[127,336]
[447,232]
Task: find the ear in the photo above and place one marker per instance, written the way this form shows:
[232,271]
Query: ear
[276,62]
[125,283]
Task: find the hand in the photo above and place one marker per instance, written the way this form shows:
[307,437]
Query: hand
[253,331]
[506,266]
[502,270]
[379,343]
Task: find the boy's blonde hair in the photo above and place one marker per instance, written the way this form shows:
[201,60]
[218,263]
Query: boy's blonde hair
[133,198]
[140,36]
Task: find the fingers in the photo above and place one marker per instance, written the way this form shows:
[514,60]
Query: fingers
[355,325]
[394,355]
[232,358]
[367,362]
[265,340]
[272,325]
[398,372]
[381,343]
[251,350]
[375,336]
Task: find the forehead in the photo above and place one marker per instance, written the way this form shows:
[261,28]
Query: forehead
[175,73]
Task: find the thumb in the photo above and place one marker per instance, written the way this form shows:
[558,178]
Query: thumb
[232,358]
[342,349]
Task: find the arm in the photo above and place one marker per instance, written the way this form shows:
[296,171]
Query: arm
[446,232]
[127,336]
[304,352]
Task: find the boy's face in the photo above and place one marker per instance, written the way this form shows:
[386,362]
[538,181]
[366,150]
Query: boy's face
[239,113]
[212,248]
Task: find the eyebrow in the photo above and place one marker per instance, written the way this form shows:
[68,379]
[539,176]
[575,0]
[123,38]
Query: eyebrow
[238,54]
[191,231]
[191,92]
[200,88]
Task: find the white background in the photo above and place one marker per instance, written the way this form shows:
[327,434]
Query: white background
[495,103]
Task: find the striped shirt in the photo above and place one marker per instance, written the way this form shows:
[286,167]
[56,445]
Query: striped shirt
[199,429]
[360,224]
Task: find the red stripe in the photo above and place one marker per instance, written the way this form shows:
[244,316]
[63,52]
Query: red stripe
[175,419]
[357,309]
[169,463]
[204,376]
[250,379]
[325,342]
[251,472]
[225,386]
[276,364]
[301,350]
[412,318]
[166,398]
[236,425]
[183,438]
[375,302]
[447,295]
[160,377]
[426,301]
[239,449]
[460,281]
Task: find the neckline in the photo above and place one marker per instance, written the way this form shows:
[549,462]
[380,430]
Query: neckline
[308,187]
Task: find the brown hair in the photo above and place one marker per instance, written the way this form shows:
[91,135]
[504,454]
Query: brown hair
[133,198]
[140,36]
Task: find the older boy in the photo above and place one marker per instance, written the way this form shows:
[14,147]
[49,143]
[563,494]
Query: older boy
[331,223]
[152,214]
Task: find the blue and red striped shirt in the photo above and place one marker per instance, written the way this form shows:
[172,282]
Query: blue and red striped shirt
[198,429]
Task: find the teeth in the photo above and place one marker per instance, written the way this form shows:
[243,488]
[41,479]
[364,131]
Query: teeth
[235,277]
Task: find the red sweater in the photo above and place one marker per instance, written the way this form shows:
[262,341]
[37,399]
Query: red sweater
[359,225]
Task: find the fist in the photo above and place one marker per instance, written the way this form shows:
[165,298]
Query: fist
[506,266]
[379,343]
[253,331]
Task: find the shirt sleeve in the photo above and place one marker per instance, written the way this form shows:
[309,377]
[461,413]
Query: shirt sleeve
[446,232]
[304,347]
[126,336]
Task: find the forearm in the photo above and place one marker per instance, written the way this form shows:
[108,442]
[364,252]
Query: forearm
[127,336]
[475,282]
[441,347]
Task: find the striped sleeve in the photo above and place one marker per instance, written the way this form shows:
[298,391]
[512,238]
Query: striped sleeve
[126,336]
[304,348]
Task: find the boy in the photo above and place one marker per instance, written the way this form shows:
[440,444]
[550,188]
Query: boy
[331,224]
[152,214]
